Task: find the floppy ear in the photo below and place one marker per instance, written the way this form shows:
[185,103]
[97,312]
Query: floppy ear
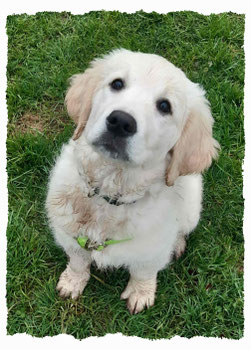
[79,97]
[196,146]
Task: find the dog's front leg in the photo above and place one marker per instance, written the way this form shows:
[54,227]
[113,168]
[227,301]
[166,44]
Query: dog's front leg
[140,291]
[76,275]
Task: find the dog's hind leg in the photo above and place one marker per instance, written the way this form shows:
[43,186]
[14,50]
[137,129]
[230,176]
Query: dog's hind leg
[180,246]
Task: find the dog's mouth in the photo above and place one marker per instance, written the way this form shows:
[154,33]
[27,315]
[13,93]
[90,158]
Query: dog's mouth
[112,146]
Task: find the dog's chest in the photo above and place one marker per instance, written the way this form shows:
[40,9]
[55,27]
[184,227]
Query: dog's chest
[116,195]
[112,208]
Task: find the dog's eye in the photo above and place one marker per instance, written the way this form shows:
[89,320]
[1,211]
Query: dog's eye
[117,84]
[164,106]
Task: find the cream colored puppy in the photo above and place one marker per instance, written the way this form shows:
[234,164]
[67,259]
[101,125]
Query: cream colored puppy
[128,183]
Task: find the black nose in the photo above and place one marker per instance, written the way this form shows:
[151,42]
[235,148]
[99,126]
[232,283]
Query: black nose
[121,124]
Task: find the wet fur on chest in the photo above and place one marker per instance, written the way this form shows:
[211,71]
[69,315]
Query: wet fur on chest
[83,214]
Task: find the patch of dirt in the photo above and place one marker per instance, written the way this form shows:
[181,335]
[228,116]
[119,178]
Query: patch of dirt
[30,123]
[44,123]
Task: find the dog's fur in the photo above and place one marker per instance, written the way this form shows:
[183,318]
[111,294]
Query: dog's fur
[159,184]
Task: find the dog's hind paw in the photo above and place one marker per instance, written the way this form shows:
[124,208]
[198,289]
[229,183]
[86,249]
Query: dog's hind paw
[180,246]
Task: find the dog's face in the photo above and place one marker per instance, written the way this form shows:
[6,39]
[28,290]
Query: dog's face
[137,107]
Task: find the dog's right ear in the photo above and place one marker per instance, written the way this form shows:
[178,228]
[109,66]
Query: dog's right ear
[196,147]
[79,96]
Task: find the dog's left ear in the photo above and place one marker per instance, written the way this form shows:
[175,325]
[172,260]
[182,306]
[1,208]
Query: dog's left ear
[79,96]
[196,147]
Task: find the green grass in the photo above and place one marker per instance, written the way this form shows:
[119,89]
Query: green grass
[200,294]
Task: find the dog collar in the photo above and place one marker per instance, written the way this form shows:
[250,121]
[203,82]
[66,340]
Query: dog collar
[87,244]
[112,201]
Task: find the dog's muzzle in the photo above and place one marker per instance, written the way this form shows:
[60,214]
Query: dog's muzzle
[120,126]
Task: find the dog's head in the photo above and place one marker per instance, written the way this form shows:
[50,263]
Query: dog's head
[138,108]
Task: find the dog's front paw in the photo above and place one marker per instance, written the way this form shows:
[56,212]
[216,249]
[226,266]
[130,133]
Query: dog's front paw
[139,294]
[72,284]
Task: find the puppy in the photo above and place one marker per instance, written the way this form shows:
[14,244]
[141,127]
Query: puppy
[126,189]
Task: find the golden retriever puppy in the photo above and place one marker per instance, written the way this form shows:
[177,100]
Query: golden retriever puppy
[126,189]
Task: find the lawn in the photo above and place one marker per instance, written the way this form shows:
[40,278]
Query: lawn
[202,292]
